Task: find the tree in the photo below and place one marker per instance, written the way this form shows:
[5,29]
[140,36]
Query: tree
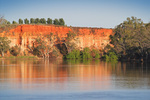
[56,22]
[49,21]
[131,38]
[8,22]
[20,21]
[43,45]
[15,50]
[14,22]
[42,21]
[37,21]
[31,20]
[4,45]
[61,21]
[26,21]
[2,20]
[86,53]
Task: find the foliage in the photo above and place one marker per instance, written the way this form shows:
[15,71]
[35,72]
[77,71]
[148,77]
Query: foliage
[55,53]
[110,56]
[74,54]
[8,22]
[4,45]
[26,21]
[86,53]
[43,45]
[37,21]
[95,53]
[15,50]
[14,22]
[49,21]
[20,21]
[71,35]
[56,22]
[61,22]
[31,20]
[42,21]
[131,38]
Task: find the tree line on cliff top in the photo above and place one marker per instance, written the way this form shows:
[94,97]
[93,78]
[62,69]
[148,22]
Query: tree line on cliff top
[56,21]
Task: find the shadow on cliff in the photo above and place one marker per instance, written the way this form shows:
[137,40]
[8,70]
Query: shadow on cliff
[62,48]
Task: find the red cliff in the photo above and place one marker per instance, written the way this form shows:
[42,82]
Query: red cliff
[24,35]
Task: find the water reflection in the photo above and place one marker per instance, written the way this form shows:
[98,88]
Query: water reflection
[73,75]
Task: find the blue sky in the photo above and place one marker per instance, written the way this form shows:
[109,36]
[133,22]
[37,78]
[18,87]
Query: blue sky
[82,13]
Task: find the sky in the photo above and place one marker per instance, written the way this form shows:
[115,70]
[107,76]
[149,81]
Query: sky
[78,13]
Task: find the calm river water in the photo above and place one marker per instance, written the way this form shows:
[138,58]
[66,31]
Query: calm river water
[30,79]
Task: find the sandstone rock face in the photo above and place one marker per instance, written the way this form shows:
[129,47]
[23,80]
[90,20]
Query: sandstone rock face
[24,35]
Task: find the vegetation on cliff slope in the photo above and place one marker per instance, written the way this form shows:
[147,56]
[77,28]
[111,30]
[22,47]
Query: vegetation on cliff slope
[4,45]
[131,40]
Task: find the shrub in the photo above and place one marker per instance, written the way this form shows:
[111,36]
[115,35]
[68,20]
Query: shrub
[15,50]
[95,53]
[74,54]
[86,53]
[111,56]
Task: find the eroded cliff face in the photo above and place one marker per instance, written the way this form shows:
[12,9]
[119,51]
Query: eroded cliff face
[24,35]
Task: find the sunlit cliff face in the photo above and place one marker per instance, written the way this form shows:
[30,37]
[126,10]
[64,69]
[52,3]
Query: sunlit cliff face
[24,35]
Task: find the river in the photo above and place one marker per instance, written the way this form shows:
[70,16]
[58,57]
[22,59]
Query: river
[34,79]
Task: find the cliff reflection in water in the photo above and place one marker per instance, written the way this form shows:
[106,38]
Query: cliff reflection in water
[61,75]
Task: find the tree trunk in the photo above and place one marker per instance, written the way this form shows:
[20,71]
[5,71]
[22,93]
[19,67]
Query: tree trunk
[2,54]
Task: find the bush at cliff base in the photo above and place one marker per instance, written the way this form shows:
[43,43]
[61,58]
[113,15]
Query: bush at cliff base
[74,54]
[85,54]
[110,56]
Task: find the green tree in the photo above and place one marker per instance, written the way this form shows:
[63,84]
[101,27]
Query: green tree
[4,45]
[20,21]
[74,54]
[26,21]
[111,56]
[14,22]
[42,21]
[86,53]
[37,21]
[61,22]
[49,21]
[95,53]
[31,20]
[131,38]
[56,22]
[8,22]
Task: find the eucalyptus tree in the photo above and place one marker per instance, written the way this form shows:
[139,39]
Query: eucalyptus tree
[20,21]
[4,45]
